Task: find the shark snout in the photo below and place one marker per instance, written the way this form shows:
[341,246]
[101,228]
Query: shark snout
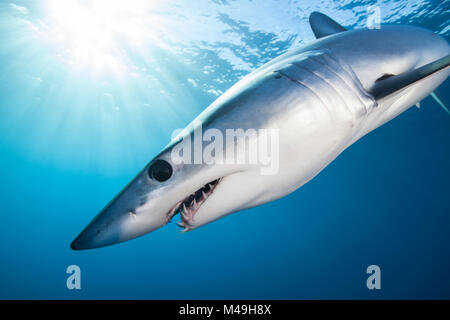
[117,223]
[104,229]
[126,217]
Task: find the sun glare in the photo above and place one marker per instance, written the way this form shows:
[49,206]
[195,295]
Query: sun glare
[94,33]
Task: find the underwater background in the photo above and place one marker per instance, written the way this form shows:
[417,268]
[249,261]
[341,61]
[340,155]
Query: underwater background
[90,92]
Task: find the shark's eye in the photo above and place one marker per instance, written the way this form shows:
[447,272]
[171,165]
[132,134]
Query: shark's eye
[160,170]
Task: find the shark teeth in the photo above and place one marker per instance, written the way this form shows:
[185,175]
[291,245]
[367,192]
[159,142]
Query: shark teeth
[190,205]
[172,212]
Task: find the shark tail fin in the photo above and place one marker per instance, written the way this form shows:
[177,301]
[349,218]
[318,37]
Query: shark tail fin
[439,101]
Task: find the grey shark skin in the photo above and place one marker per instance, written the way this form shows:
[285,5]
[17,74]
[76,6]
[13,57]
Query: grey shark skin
[319,98]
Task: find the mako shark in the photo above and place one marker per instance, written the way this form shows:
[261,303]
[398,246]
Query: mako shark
[321,97]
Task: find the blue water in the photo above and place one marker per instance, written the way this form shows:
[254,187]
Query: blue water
[89,94]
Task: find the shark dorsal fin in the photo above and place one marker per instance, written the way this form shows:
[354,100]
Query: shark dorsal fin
[322,25]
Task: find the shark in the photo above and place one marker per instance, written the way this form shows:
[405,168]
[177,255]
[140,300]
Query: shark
[320,98]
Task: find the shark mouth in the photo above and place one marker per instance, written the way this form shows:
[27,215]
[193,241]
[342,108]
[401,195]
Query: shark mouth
[190,205]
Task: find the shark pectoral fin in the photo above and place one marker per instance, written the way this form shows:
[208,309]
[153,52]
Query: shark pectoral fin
[392,84]
[323,26]
[439,101]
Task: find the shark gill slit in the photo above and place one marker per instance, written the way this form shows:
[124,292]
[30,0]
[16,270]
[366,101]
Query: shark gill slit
[342,92]
[352,87]
[327,83]
[355,83]
[298,82]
